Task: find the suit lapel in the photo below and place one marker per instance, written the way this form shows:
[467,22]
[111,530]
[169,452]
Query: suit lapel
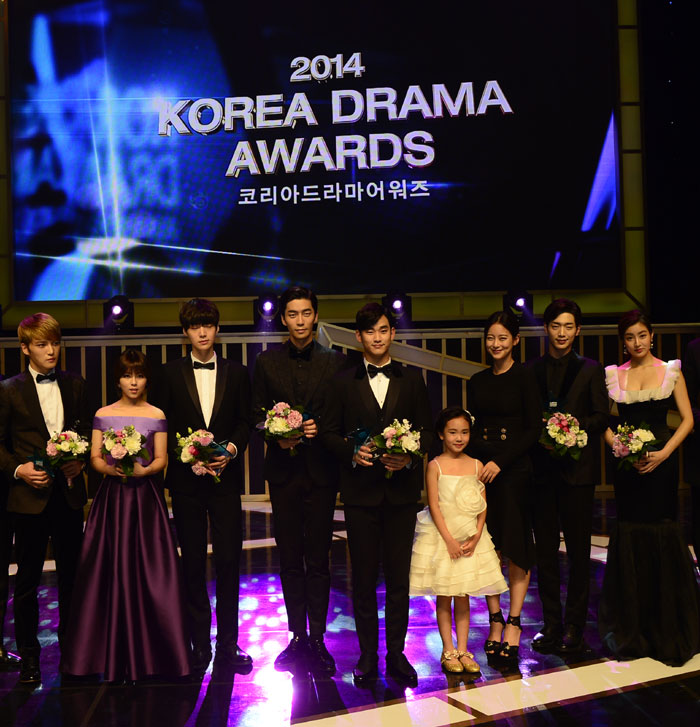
[319,363]
[367,397]
[392,394]
[31,398]
[572,370]
[221,373]
[191,384]
[64,386]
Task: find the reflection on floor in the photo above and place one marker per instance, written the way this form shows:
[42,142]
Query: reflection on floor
[546,690]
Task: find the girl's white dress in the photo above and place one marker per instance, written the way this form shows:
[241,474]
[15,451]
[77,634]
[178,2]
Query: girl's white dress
[433,572]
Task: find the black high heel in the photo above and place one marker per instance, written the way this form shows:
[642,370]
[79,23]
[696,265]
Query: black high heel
[509,652]
[491,647]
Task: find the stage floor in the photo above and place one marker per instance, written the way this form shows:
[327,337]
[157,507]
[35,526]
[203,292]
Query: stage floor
[546,690]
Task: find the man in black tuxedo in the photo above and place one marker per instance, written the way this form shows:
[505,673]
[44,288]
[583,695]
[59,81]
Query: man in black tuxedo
[34,405]
[691,448]
[564,489]
[380,512]
[8,660]
[302,487]
[203,391]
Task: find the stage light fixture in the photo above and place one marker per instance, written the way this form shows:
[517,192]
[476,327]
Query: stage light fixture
[399,304]
[265,308]
[518,302]
[118,313]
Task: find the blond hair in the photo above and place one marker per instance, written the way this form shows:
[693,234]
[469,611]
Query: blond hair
[38,327]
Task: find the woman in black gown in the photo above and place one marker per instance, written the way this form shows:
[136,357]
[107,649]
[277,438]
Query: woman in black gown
[505,402]
[650,602]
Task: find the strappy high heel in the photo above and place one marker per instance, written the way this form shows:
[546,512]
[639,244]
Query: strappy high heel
[492,647]
[509,652]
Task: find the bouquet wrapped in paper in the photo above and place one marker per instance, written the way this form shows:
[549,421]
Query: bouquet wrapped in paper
[631,443]
[398,438]
[563,436]
[283,421]
[66,446]
[124,446]
[197,449]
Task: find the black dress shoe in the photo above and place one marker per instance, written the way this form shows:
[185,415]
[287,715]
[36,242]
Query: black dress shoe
[400,668]
[234,656]
[296,650]
[547,639]
[8,659]
[29,672]
[320,660]
[365,672]
[571,641]
[200,660]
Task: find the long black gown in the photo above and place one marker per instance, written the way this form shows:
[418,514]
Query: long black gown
[650,602]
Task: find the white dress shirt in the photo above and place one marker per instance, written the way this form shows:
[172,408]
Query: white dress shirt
[206,387]
[379,384]
[50,401]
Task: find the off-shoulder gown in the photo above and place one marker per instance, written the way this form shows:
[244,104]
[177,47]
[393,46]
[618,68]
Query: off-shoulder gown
[128,619]
[650,601]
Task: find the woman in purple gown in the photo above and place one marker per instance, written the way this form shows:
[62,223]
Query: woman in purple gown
[129,621]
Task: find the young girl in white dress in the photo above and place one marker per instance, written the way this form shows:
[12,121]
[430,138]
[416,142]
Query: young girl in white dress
[453,555]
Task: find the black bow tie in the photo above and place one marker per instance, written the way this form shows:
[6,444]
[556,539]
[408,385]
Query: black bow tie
[46,377]
[300,353]
[200,365]
[373,370]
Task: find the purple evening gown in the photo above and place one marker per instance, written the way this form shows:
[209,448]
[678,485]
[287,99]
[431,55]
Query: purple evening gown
[127,618]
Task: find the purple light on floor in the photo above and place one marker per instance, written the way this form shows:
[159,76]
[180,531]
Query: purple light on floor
[603,196]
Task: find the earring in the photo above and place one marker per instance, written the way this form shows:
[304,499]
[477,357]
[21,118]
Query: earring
[652,344]
[624,350]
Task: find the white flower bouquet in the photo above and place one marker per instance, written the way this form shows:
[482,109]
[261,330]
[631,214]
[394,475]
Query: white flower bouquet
[631,443]
[65,447]
[124,446]
[398,438]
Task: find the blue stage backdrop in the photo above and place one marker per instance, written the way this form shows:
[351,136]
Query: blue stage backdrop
[220,148]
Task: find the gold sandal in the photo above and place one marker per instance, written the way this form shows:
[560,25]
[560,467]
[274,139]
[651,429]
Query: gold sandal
[451,662]
[466,659]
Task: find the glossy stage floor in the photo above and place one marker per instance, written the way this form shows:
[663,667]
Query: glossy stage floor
[546,690]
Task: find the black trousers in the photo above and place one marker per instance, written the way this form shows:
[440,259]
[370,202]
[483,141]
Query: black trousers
[5,554]
[223,511]
[64,526]
[302,513]
[380,534]
[559,506]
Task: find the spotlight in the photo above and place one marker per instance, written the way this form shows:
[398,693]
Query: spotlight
[265,308]
[399,304]
[118,313]
[518,301]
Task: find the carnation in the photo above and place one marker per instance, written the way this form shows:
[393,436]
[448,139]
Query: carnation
[280,408]
[118,451]
[199,469]
[295,419]
[51,449]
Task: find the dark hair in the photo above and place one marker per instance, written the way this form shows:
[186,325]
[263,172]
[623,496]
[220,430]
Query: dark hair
[131,361]
[631,318]
[298,292]
[368,316]
[451,412]
[199,312]
[507,319]
[559,306]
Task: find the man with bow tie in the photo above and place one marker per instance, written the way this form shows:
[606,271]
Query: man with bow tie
[380,512]
[205,391]
[34,405]
[302,487]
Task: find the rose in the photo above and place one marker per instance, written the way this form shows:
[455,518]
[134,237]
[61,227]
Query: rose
[295,419]
[118,451]
[193,450]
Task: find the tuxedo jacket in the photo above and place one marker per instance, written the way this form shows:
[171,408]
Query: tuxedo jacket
[272,382]
[176,394]
[23,432]
[350,406]
[691,446]
[584,395]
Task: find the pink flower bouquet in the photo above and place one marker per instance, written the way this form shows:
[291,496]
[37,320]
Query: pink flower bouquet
[398,438]
[65,447]
[283,421]
[197,449]
[630,444]
[124,446]
[562,436]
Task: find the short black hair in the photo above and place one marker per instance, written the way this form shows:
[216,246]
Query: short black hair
[451,412]
[131,360]
[298,292]
[199,312]
[507,319]
[368,316]
[630,319]
[559,306]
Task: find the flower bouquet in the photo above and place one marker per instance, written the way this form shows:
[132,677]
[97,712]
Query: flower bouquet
[562,436]
[123,446]
[283,422]
[197,449]
[65,447]
[398,438]
[630,444]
